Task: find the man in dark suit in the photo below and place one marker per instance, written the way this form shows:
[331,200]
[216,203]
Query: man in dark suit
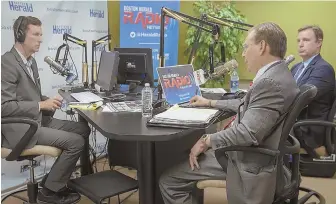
[21,97]
[316,71]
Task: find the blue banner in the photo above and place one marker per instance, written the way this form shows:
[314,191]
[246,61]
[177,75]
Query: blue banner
[140,28]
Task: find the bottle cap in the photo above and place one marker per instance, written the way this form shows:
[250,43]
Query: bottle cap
[147,84]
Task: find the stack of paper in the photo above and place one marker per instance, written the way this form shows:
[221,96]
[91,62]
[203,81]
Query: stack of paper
[178,115]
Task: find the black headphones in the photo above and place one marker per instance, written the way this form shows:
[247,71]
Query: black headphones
[20,34]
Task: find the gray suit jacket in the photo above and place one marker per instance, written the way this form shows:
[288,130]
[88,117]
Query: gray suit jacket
[251,177]
[19,97]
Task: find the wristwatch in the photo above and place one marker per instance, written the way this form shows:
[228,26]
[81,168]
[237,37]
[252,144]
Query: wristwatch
[205,137]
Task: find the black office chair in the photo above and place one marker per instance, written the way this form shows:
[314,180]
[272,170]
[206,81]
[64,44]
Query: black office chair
[19,153]
[289,145]
[309,164]
[107,183]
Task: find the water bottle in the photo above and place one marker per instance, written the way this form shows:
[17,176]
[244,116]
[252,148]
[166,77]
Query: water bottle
[147,99]
[234,79]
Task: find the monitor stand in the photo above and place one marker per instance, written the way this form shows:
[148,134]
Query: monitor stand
[133,85]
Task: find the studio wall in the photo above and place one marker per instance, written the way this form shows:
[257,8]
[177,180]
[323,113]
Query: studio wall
[289,15]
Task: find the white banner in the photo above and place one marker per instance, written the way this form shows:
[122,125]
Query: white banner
[84,20]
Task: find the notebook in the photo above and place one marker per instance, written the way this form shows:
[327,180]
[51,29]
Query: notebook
[178,84]
[188,117]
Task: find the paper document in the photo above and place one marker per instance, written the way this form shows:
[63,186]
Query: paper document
[185,115]
[213,90]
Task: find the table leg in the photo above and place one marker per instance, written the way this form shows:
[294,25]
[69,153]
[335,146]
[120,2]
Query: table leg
[146,172]
[85,163]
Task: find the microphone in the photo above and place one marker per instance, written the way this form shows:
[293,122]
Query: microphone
[58,68]
[224,69]
[201,77]
[289,59]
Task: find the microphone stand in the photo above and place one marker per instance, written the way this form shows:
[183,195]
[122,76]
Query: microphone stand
[94,71]
[223,22]
[68,73]
[83,43]
[181,17]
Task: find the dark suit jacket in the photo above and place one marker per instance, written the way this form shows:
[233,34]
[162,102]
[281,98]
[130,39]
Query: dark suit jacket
[321,74]
[19,98]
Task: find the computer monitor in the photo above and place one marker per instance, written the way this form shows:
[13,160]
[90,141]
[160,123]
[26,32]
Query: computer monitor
[135,66]
[108,70]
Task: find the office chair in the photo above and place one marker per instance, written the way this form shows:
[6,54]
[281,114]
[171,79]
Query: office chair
[19,153]
[108,183]
[289,145]
[309,166]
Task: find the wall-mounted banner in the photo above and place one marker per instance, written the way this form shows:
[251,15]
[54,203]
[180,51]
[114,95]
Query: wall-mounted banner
[140,28]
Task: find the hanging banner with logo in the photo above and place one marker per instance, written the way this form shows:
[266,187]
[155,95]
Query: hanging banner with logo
[86,20]
[140,28]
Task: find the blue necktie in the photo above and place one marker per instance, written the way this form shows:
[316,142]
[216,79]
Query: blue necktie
[299,72]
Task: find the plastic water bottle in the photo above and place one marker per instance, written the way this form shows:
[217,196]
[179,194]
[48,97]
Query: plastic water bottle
[147,99]
[234,81]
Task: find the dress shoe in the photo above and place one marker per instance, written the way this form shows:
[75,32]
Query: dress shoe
[62,197]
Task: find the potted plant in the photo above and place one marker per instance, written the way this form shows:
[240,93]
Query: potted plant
[231,37]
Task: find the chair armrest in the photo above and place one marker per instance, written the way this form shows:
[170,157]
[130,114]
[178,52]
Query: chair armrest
[222,151]
[221,156]
[295,146]
[315,123]
[312,122]
[20,146]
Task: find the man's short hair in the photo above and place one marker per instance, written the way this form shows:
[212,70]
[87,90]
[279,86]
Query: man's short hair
[317,30]
[274,36]
[26,20]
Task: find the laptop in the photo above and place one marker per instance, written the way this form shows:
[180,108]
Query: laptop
[178,84]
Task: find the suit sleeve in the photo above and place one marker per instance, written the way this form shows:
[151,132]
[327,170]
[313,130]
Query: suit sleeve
[10,106]
[231,105]
[323,78]
[266,105]
[44,98]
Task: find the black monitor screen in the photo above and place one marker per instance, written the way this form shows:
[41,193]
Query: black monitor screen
[135,66]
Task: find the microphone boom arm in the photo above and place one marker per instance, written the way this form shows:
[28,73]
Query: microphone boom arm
[83,43]
[223,22]
[95,43]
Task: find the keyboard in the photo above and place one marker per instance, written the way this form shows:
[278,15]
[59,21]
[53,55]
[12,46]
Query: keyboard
[126,106]
[86,97]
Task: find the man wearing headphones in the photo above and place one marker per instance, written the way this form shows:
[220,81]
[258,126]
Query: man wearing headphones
[21,97]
